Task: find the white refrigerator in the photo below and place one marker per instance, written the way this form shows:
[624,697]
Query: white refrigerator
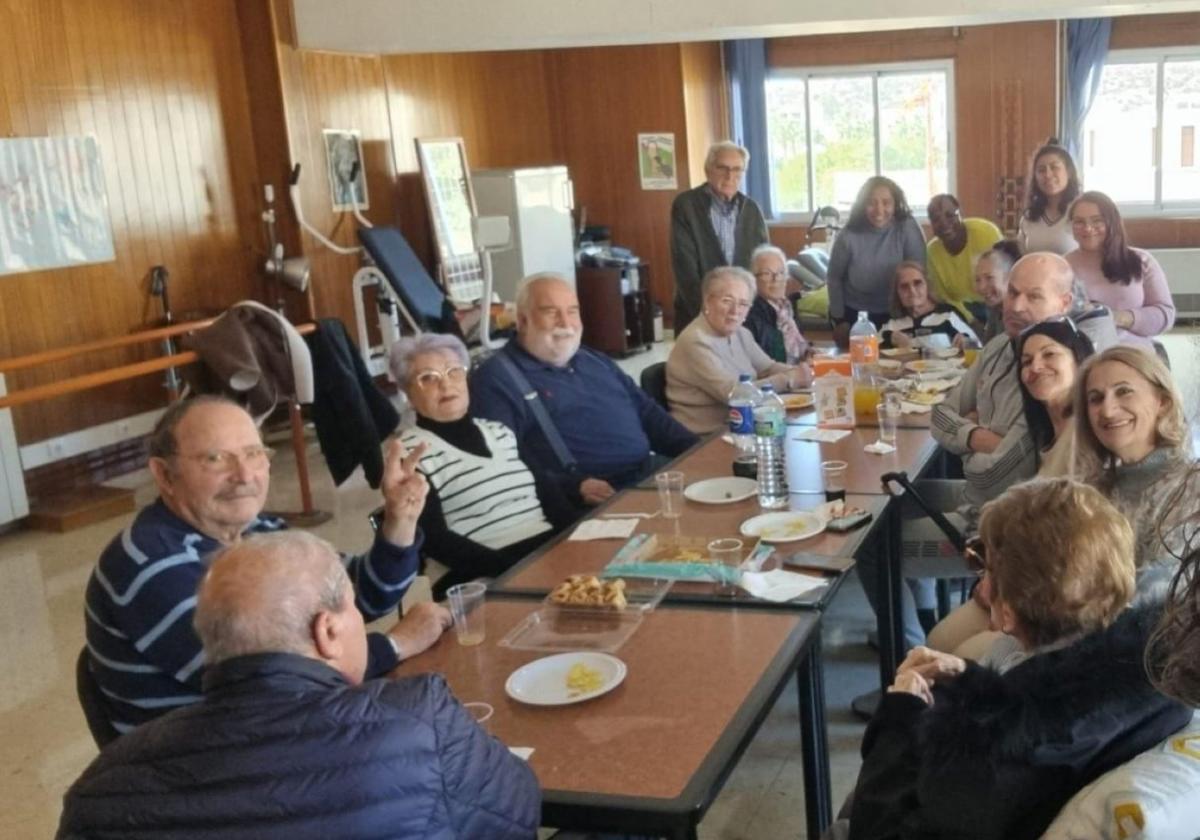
[538,203]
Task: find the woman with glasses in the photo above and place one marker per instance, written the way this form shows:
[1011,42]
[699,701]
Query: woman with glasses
[771,319]
[715,349]
[483,512]
[1053,184]
[880,234]
[996,749]
[1129,281]
[916,312]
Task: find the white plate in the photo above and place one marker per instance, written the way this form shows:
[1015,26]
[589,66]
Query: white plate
[543,682]
[784,527]
[721,491]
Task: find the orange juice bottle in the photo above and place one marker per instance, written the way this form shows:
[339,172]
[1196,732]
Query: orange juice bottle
[864,343]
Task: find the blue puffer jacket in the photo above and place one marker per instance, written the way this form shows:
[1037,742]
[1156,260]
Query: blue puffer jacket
[282,747]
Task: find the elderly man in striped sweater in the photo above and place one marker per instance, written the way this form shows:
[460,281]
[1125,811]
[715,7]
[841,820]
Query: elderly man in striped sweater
[212,472]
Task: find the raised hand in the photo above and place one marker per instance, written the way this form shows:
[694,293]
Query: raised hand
[404,490]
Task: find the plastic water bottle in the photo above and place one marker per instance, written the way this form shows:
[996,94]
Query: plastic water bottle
[769,430]
[742,400]
[864,344]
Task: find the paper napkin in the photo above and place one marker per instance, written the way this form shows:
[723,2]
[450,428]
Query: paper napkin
[879,448]
[604,529]
[779,585]
[821,435]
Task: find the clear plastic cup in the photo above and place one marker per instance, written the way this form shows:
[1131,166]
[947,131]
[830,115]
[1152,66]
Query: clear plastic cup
[728,553]
[888,421]
[833,476]
[466,603]
[670,493]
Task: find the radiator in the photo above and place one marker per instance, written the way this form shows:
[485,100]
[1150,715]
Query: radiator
[1182,267]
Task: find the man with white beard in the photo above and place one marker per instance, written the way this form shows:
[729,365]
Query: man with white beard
[580,421]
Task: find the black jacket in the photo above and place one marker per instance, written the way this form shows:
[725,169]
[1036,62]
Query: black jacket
[762,320]
[696,250]
[282,747]
[351,414]
[997,756]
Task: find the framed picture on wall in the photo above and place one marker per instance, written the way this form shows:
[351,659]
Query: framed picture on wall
[656,161]
[344,160]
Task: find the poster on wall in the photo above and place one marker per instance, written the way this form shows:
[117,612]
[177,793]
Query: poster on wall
[343,149]
[656,161]
[53,204]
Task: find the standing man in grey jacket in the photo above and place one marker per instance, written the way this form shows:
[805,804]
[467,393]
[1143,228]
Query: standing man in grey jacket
[712,225]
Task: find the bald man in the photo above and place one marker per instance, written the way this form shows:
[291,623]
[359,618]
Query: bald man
[288,741]
[982,419]
[609,429]
[212,472]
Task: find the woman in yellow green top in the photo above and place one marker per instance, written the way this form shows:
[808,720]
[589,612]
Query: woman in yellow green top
[951,254]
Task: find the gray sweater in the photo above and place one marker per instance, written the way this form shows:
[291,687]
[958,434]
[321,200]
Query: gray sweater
[862,262]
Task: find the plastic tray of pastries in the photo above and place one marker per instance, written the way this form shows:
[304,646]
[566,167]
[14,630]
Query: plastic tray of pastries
[592,593]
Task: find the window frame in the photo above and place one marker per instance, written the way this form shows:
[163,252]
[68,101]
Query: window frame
[1156,207]
[873,71]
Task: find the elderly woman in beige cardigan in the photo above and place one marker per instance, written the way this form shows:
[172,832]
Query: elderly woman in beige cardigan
[715,349]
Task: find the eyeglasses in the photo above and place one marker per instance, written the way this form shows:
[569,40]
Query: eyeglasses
[430,379]
[730,170]
[733,303]
[975,553]
[1094,223]
[228,460]
[771,275]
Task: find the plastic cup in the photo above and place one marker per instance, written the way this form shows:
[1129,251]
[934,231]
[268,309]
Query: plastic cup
[833,476]
[466,601]
[728,553]
[887,423]
[670,493]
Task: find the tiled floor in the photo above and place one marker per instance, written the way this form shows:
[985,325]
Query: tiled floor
[45,743]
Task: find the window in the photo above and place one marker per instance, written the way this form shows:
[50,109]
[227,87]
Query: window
[1140,134]
[829,129]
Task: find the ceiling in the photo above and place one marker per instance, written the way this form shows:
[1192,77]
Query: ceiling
[419,26]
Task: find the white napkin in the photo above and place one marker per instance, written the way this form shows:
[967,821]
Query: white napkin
[522,753]
[604,529]
[779,585]
[914,408]
[879,448]
[821,435]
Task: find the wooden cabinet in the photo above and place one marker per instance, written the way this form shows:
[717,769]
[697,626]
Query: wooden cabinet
[616,320]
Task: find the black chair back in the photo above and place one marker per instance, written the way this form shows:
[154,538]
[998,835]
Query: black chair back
[654,383]
[92,701]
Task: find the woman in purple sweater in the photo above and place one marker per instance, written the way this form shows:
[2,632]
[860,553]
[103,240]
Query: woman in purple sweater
[1129,281]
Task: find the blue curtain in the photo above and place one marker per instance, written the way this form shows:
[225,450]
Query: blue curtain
[1087,46]
[746,66]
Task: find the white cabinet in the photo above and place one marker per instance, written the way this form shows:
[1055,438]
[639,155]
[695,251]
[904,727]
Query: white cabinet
[538,204]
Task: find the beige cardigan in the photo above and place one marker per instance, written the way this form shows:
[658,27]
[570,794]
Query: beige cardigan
[703,368]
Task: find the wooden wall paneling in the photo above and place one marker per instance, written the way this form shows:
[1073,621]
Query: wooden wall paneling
[498,102]
[1138,31]
[161,86]
[642,91]
[705,102]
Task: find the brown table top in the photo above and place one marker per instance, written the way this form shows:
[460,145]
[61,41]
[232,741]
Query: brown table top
[669,704]
[543,571]
[914,447]
[808,417]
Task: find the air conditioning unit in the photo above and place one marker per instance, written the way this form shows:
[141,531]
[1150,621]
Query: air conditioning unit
[1182,267]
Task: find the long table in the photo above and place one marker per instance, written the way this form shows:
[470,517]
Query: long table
[651,756]
[537,574]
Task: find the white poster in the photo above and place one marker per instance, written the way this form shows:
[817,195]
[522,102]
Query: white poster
[344,160]
[656,161]
[53,204]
